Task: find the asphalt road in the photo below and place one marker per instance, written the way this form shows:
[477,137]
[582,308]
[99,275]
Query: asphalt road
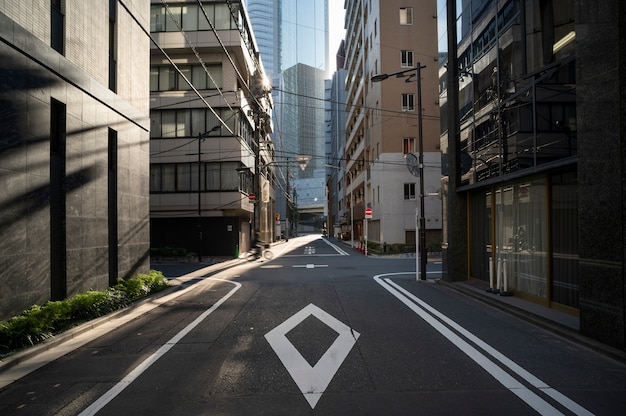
[321,329]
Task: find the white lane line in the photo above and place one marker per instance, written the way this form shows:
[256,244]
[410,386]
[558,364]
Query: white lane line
[529,377]
[517,388]
[96,406]
[336,247]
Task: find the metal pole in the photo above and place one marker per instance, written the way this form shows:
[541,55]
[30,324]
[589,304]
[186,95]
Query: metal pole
[422,227]
[199,198]
[351,209]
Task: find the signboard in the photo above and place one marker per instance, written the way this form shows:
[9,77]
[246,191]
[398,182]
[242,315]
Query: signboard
[368,213]
[252,197]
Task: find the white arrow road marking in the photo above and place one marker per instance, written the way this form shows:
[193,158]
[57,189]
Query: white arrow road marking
[312,381]
[439,321]
[143,366]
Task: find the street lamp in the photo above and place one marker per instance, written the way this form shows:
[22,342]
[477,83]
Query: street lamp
[351,201]
[421,239]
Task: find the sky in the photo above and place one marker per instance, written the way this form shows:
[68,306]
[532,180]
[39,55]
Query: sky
[335,30]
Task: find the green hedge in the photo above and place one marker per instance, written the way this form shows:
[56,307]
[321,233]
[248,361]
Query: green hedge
[41,322]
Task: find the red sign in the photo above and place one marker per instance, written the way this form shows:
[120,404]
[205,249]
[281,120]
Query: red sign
[252,197]
[368,213]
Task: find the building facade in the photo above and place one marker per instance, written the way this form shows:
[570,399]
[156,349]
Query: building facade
[212,181]
[532,125]
[298,49]
[74,150]
[337,215]
[383,120]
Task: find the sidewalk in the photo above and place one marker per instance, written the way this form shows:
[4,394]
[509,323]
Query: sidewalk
[555,321]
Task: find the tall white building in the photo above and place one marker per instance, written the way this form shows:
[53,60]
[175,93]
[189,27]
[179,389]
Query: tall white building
[385,37]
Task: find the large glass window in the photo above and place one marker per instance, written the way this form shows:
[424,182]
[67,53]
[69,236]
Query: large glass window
[192,17]
[173,18]
[212,176]
[230,176]
[536,237]
[183,177]
[166,78]
[190,123]
[521,236]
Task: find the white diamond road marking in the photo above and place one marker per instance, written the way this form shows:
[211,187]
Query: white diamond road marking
[312,381]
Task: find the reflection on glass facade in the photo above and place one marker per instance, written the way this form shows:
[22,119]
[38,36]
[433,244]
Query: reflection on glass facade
[293,41]
[517,86]
[517,130]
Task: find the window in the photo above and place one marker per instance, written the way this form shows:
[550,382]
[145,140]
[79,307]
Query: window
[166,78]
[58,175]
[184,123]
[112,45]
[408,145]
[57,26]
[409,191]
[406,15]
[183,177]
[407,59]
[191,17]
[408,102]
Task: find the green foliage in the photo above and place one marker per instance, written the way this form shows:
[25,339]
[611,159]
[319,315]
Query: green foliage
[93,304]
[143,284]
[41,322]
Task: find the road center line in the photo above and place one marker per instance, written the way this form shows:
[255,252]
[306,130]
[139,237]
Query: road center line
[144,365]
[533,400]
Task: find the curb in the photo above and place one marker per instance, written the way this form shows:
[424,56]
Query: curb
[176,284]
[539,321]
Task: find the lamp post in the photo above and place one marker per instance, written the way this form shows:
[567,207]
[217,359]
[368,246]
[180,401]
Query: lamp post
[351,200]
[421,237]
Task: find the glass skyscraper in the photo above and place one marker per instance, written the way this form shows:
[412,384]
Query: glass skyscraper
[293,41]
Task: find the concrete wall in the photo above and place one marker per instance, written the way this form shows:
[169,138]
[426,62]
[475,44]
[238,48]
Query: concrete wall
[601,71]
[32,75]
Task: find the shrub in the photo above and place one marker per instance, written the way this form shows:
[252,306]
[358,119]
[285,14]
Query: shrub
[41,322]
[34,324]
[93,304]
[143,284]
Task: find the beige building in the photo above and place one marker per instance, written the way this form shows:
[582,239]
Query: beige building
[211,174]
[74,147]
[382,119]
